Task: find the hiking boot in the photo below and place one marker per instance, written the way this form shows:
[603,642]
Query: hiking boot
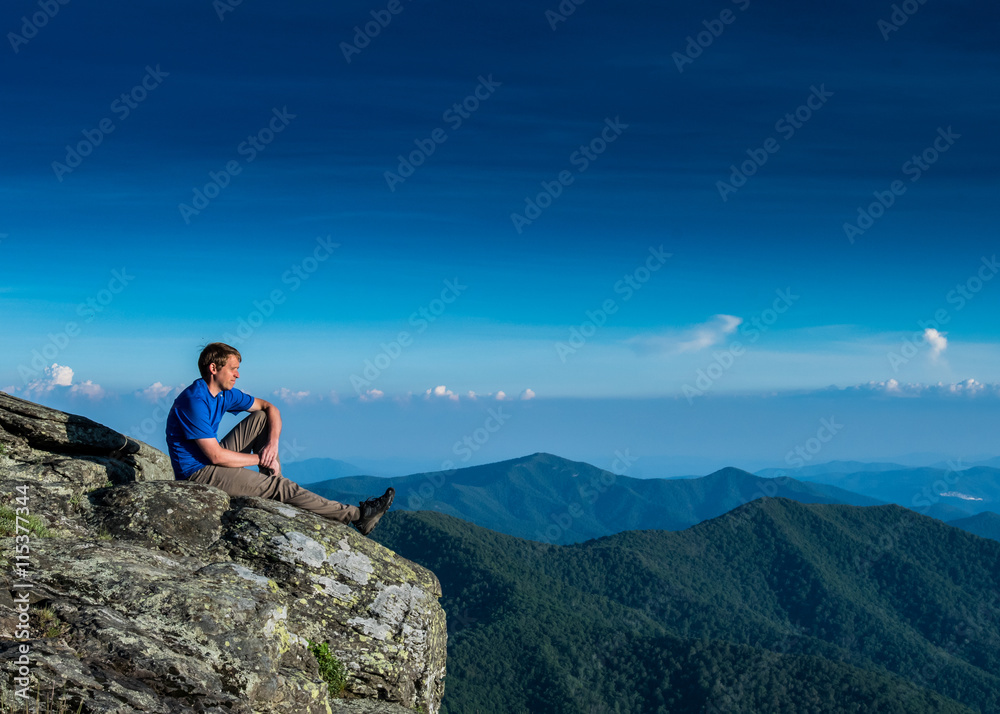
[372,510]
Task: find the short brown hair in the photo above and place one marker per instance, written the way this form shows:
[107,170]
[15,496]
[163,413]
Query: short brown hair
[217,353]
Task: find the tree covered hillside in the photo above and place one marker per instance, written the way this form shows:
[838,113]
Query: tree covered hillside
[775,607]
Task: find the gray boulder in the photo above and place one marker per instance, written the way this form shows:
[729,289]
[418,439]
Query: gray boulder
[154,595]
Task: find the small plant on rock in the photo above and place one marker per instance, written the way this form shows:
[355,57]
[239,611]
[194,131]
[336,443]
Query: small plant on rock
[331,669]
[8,524]
[51,704]
[51,625]
[103,534]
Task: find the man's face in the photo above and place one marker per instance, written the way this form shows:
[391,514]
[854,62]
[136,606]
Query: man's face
[227,376]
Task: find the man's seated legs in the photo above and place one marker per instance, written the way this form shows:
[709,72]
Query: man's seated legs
[249,436]
[245,482]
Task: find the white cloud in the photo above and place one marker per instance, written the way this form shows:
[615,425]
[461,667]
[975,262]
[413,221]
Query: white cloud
[500,395]
[371,395]
[334,397]
[87,389]
[692,339]
[156,391]
[441,391]
[287,395]
[52,377]
[937,341]
[711,333]
[969,388]
[62,376]
[959,494]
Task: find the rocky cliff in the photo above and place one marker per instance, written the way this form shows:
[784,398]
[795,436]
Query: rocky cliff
[149,594]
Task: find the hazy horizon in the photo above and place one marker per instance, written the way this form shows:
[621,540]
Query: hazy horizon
[663,437]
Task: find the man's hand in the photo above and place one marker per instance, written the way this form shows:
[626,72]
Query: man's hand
[269,454]
[269,457]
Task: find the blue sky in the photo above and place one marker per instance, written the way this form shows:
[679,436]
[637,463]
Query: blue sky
[606,128]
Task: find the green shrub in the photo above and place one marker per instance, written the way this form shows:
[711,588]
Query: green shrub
[50,623]
[331,669]
[103,534]
[8,524]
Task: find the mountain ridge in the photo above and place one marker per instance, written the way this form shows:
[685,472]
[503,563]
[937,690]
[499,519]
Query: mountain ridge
[985,524]
[964,491]
[551,499]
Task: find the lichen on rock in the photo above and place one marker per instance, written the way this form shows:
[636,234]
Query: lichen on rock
[172,596]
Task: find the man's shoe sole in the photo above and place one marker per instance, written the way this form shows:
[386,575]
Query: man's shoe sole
[372,521]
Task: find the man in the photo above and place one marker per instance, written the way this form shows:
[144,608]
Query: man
[197,455]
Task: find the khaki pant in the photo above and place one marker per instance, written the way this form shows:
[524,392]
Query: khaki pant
[250,436]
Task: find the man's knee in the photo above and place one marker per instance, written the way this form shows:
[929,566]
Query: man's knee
[257,424]
[260,416]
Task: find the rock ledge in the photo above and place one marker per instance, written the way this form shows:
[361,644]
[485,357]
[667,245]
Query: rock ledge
[157,595]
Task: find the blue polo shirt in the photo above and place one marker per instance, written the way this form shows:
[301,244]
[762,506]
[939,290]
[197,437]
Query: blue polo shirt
[196,414]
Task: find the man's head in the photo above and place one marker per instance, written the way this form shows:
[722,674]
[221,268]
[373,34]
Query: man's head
[222,361]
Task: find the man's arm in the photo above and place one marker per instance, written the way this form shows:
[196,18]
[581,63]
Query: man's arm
[269,454]
[219,456]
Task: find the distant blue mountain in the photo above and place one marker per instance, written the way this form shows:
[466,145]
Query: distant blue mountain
[547,498]
[984,525]
[309,471]
[805,473]
[939,493]
[993,462]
